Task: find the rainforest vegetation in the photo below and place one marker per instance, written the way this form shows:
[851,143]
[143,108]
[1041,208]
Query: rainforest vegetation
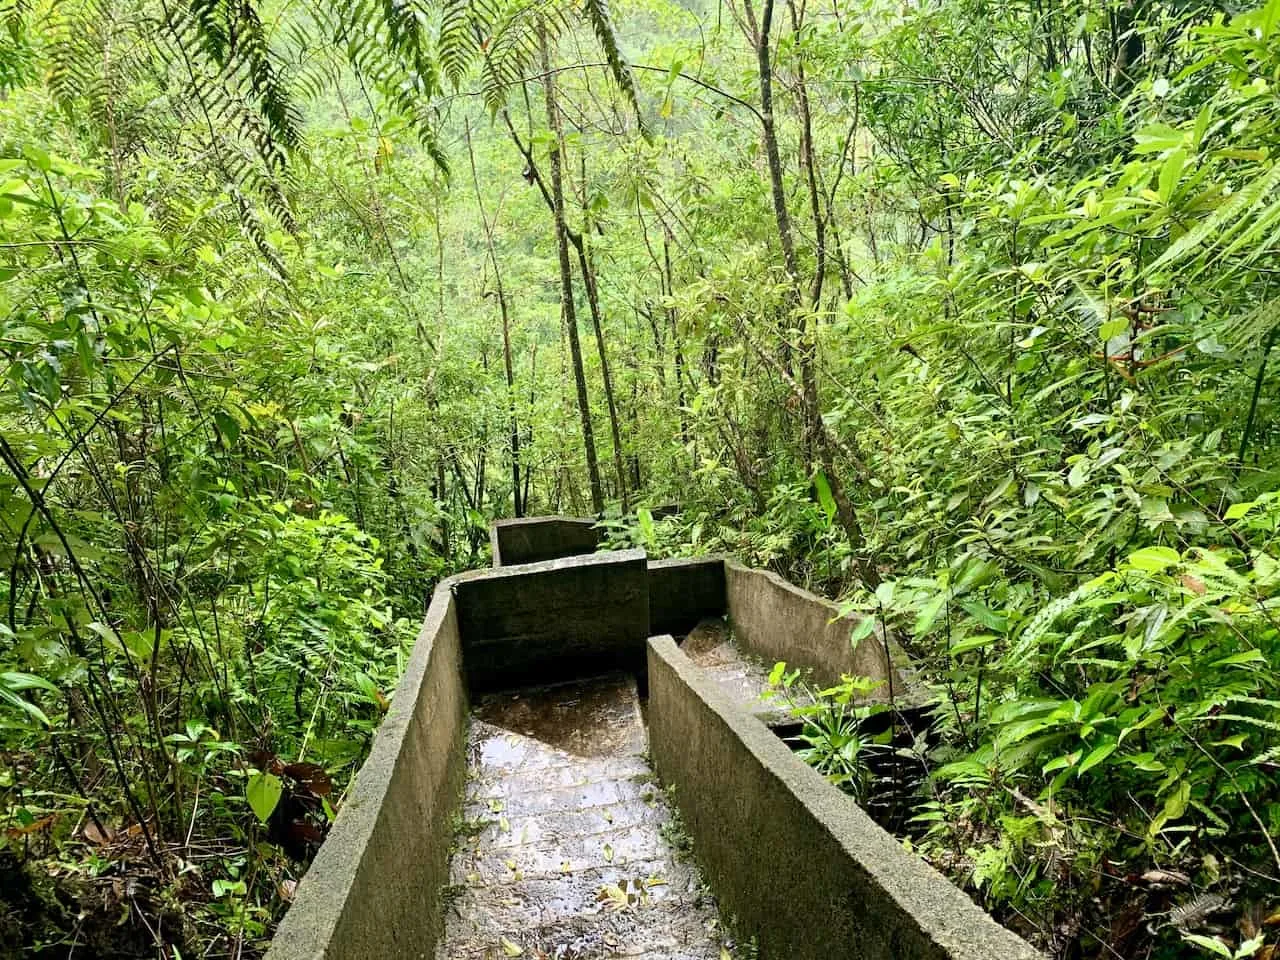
[960,312]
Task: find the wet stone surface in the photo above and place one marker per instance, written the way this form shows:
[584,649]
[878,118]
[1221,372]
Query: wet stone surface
[566,849]
[742,678]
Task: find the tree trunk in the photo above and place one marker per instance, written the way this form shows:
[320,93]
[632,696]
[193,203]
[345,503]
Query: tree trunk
[587,266]
[514,441]
[672,322]
[566,274]
[818,437]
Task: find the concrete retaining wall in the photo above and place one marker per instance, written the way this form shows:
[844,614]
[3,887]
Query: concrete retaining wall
[535,539]
[801,865]
[373,890]
[540,622]
[798,863]
[682,592]
[776,620]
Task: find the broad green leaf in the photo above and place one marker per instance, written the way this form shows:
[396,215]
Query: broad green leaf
[1212,944]
[263,792]
[986,616]
[825,499]
[1096,756]
[928,615]
[862,630]
[1153,559]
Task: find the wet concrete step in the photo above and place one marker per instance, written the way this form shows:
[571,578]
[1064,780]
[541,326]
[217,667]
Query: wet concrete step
[742,678]
[568,848]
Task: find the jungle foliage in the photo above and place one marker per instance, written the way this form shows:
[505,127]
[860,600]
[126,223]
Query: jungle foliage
[959,311]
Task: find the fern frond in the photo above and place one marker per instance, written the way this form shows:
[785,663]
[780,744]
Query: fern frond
[76,41]
[511,47]
[257,232]
[232,35]
[597,13]
[17,58]
[458,38]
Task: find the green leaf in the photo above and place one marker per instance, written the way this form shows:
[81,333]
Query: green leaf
[1237,741]
[37,158]
[644,519]
[1244,657]
[1171,172]
[976,642]
[1212,944]
[825,499]
[263,791]
[928,615]
[1238,510]
[1175,805]
[986,616]
[15,680]
[1157,138]
[1146,762]
[862,630]
[11,698]
[1113,328]
[1153,559]
[1096,756]
[223,887]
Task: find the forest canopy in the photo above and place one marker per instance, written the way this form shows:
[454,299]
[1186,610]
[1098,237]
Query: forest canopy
[960,312]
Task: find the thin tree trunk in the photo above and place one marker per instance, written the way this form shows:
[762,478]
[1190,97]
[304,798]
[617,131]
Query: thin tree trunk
[672,322]
[514,441]
[587,266]
[818,437]
[445,547]
[566,274]
[780,212]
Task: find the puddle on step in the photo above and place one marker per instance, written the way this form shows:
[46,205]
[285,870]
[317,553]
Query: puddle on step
[596,719]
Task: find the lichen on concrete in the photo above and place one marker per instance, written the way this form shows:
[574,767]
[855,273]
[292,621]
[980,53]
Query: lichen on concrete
[564,849]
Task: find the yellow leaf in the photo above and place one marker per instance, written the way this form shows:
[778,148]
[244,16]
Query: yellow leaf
[511,949]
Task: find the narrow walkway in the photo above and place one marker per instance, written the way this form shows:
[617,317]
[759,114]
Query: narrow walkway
[567,846]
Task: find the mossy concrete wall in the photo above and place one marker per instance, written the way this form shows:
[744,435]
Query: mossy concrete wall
[776,620]
[535,539]
[802,868]
[373,890]
[771,618]
[682,592]
[540,622]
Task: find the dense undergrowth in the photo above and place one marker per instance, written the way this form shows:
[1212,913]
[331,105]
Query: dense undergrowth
[962,312]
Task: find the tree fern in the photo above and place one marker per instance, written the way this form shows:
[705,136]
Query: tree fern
[597,15]
[237,82]
[16,55]
[233,37]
